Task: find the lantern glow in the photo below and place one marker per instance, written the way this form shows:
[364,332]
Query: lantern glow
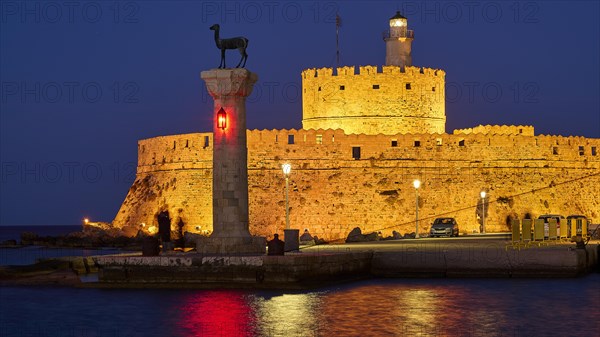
[287,168]
[398,22]
[222,119]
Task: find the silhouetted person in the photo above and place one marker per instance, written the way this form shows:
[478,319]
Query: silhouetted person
[275,246]
[181,240]
[164,226]
[306,236]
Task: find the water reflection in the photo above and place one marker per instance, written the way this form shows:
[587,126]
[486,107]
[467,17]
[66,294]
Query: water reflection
[394,308]
[384,310]
[217,313]
[287,314]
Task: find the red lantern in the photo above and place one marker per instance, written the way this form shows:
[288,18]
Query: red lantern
[222,119]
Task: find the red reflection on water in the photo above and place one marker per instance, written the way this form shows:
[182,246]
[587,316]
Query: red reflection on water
[217,313]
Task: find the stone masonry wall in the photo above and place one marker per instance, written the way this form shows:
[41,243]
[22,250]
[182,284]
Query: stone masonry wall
[394,100]
[174,174]
[331,192]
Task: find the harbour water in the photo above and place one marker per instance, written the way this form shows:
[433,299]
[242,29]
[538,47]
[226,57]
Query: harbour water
[378,307]
[382,307]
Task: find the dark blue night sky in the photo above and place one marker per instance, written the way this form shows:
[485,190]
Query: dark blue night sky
[83,81]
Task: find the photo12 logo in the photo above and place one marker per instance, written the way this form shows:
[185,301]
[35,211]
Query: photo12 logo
[70,92]
[268,11]
[73,12]
[265,92]
[69,172]
[526,12]
[526,92]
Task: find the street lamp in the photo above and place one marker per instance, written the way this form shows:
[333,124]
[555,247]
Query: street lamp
[287,168]
[482,194]
[417,184]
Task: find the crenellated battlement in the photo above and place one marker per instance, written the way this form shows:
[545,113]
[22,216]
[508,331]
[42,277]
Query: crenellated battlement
[195,150]
[175,152]
[371,70]
[370,99]
[523,130]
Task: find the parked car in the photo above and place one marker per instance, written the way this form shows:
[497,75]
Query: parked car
[574,218]
[559,219]
[444,227]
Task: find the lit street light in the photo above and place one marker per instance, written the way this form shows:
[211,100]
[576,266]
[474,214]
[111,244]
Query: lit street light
[291,237]
[482,194]
[287,168]
[417,184]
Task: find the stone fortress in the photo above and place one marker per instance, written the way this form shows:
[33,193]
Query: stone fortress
[368,132]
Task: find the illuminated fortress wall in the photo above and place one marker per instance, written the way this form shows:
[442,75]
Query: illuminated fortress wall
[174,173]
[331,192]
[392,101]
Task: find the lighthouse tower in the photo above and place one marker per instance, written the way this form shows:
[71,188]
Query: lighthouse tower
[398,41]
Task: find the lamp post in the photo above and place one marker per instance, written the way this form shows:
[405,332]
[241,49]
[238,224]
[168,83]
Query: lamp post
[287,168]
[482,194]
[417,184]
[291,237]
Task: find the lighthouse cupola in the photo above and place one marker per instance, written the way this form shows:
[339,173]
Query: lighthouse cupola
[398,40]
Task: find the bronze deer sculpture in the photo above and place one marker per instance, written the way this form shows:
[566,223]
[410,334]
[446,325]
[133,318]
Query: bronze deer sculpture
[239,43]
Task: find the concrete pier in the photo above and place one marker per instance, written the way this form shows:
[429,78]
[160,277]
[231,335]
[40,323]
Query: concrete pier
[294,271]
[320,266]
[477,257]
[486,262]
[313,267]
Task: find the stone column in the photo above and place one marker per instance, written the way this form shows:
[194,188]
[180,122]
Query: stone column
[229,89]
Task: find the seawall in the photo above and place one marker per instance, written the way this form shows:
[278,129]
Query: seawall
[314,268]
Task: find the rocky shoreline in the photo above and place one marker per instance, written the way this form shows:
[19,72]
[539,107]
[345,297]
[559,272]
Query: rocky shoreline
[91,239]
[54,272]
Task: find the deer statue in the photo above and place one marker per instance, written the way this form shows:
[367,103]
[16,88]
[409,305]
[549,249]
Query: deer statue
[239,43]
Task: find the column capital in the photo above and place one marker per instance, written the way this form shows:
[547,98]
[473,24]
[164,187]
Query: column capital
[229,82]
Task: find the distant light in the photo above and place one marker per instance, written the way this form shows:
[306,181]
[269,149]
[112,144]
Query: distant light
[397,23]
[287,168]
[482,194]
[417,183]
[86,220]
[143,224]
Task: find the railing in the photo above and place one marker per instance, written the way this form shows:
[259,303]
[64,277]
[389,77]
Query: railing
[392,34]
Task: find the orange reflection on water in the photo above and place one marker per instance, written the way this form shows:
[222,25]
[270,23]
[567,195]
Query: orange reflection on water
[379,311]
[217,313]
[288,315]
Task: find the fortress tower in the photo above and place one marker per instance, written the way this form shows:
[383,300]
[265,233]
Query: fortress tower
[395,98]
[398,41]
[386,127]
